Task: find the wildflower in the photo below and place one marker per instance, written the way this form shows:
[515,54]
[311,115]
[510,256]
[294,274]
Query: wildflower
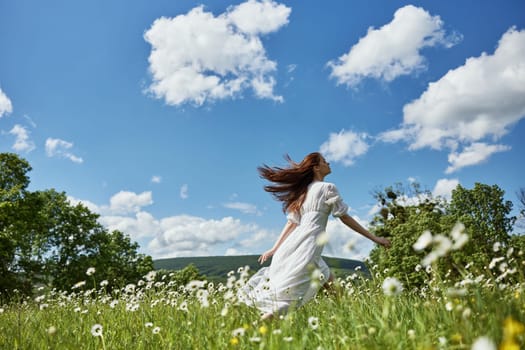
[313,322]
[411,334]
[449,306]
[44,306]
[418,268]
[443,245]
[183,306]
[494,261]
[322,239]
[234,341]
[288,339]
[458,236]
[90,271]
[104,283]
[255,339]
[277,331]
[130,288]
[224,311]
[148,324]
[372,330]
[79,285]
[1,310]
[423,241]
[96,330]
[155,330]
[456,337]
[263,330]
[512,328]
[483,343]
[51,330]
[392,286]
[113,303]
[150,276]
[238,332]
[466,313]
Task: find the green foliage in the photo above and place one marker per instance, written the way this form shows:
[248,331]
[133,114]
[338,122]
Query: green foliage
[407,213]
[45,240]
[181,277]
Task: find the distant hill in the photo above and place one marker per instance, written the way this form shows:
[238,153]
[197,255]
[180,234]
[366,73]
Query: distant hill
[217,267]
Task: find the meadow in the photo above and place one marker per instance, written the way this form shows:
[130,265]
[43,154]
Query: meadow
[482,311]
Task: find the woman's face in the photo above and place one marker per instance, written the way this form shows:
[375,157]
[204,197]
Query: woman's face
[324,167]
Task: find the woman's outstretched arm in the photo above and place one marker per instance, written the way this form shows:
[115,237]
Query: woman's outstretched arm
[354,225]
[288,227]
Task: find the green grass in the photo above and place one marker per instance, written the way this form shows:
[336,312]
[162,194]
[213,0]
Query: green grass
[357,316]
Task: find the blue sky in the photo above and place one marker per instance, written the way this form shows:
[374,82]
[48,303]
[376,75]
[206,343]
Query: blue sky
[156,114]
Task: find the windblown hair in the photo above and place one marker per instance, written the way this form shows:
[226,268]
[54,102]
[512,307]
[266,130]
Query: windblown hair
[290,184]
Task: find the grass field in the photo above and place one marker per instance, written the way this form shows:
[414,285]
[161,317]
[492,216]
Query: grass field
[479,312]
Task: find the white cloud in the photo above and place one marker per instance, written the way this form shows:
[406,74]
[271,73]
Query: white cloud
[180,235]
[473,154]
[184,191]
[198,57]
[6,106]
[245,208]
[186,235]
[392,50]
[344,147]
[125,202]
[60,148]
[156,179]
[478,101]
[346,243]
[22,141]
[444,187]
[143,224]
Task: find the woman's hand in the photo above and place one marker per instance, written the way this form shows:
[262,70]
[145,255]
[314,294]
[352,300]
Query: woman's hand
[385,242]
[265,256]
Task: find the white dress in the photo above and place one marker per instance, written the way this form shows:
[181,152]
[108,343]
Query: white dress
[297,270]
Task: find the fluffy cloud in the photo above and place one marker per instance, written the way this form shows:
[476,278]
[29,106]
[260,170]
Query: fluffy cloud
[392,50]
[156,179]
[473,154]
[186,235]
[469,105]
[5,104]
[444,187]
[174,236]
[199,57]
[344,147]
[22,141]
[60,148]
[245,208]
[125,202]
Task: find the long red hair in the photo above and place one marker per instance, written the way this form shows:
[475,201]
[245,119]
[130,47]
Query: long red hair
[291,184]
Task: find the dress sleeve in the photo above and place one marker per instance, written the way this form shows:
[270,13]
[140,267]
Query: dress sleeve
[334,200]
[294,217]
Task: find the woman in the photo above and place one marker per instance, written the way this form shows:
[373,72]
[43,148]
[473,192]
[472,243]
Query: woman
[308,201]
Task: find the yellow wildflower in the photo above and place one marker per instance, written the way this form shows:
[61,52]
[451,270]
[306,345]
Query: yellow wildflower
[234,341]
[509,344]
[456,337]
[263,330]
[512,328]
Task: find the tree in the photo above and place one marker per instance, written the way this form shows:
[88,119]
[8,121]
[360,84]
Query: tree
[405,213]
[45,240]
[482,210]
[13,184]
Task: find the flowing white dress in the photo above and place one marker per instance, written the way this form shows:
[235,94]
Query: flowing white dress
[297,270]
